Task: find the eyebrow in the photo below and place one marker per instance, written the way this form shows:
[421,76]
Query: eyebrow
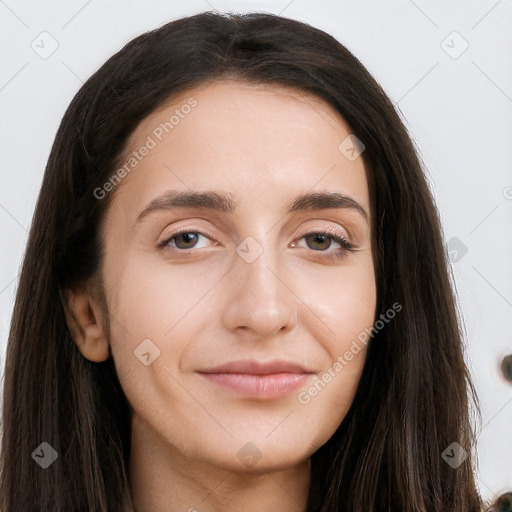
[224,202]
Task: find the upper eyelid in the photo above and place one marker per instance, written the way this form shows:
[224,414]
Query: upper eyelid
[325,229]
[351,224]
[179,231]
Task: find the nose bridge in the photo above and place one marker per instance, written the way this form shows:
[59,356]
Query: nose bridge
[260,296]
[257,273]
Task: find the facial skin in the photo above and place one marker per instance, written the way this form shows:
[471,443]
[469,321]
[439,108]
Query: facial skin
[263,145]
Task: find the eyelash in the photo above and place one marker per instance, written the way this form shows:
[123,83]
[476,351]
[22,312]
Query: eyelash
[336,255]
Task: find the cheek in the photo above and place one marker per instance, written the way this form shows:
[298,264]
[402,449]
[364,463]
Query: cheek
[343,299]
[156,312]
[149,296]
[156,302]
[342,312]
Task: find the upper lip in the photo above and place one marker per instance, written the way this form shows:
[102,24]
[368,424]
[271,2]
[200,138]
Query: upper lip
[251,367]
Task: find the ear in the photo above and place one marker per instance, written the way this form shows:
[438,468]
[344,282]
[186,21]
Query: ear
[86,321]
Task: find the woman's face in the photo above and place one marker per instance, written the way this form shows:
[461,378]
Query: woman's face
[246,281]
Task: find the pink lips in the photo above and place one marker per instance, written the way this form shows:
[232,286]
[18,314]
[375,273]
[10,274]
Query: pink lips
[268,381]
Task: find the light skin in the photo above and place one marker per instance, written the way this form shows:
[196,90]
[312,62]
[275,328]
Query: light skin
[264,146]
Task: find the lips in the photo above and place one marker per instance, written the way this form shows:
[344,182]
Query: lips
[250,367]
[261,380]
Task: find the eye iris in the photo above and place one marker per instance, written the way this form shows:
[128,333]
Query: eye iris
[188,237]
[322,237]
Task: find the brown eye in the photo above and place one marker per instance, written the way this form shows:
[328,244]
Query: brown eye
[183,240]
[319,239]
[188,238]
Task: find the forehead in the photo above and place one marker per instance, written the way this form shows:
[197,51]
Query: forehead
[263,143]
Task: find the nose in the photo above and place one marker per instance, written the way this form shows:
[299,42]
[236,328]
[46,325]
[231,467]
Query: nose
[259,297]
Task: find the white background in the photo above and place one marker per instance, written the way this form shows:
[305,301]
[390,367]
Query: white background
[456,104]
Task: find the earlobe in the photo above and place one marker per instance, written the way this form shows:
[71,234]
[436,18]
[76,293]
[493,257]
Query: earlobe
[86,322]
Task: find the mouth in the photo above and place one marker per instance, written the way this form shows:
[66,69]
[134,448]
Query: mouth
[264,381]
[265,387]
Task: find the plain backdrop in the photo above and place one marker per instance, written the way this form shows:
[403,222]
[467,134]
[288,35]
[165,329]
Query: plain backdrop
[446,65]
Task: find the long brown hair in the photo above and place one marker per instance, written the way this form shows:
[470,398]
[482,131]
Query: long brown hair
[413,398]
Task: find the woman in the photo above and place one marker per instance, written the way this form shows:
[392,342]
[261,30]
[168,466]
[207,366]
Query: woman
[257,369]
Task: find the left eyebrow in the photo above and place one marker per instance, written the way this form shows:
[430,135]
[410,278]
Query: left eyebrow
[224,202]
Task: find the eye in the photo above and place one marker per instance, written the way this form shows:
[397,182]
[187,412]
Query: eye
[324,240]
[187,239]
[183,239]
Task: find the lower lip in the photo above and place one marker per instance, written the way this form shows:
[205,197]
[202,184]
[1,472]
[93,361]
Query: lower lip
[267,387]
